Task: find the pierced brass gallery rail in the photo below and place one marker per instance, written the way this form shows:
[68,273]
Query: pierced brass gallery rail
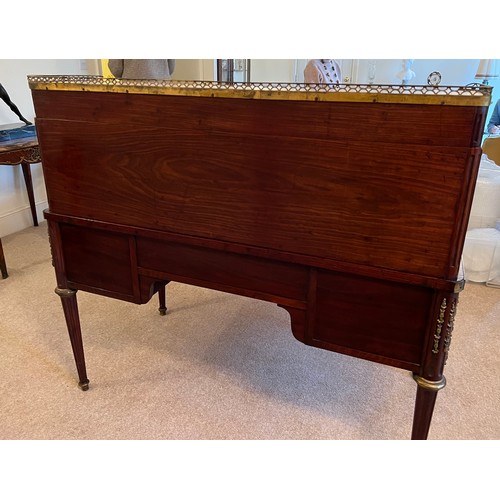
[470,95]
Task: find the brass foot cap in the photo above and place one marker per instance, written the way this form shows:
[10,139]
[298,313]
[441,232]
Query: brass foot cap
[65,292]
[84,386]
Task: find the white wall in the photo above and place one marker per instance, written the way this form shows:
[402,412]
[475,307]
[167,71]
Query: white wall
[272,70]
[194,69]
[15,213]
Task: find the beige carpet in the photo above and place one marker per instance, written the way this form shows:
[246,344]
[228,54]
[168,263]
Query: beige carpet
[218,366]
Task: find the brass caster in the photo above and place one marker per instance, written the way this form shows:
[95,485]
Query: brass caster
[163,311]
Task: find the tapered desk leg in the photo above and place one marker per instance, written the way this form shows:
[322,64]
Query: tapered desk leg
[3,265]
[70,308]
[29,187]
[162,301]
[424,405]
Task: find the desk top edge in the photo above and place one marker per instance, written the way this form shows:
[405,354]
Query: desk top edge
[473,95]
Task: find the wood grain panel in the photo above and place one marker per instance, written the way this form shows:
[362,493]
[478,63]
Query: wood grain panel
[385,205]
[372,316]
[237,271]
[97,259]
[410,123]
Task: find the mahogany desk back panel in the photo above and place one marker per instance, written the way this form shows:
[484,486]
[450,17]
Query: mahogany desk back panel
[349,209]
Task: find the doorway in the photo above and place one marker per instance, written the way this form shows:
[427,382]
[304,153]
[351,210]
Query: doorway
[233,70]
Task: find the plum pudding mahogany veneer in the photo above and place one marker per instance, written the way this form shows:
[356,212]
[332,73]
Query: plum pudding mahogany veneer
[345,205]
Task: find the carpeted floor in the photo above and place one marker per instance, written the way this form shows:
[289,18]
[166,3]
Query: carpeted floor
[218,366]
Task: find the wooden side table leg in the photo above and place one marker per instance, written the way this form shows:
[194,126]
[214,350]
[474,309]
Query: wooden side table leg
[3,265]
[70,308]
[29,187]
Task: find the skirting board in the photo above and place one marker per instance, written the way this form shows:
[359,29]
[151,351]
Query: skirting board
[20,219]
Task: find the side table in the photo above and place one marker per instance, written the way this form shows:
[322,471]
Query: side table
[24,152]
[21,151]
